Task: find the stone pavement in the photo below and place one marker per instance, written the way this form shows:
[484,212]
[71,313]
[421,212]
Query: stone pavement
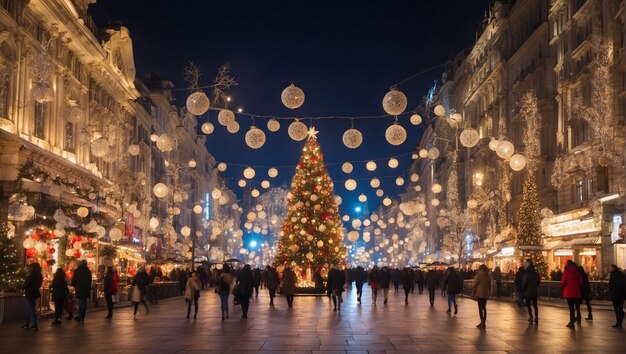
[312,327]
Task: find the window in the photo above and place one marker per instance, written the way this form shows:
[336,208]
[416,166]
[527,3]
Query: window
[580,133]
[40,119]
[4,92]
[581,190]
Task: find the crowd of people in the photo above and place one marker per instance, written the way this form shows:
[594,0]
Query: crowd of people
[245,282]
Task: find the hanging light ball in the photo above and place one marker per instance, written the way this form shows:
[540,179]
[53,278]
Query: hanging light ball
[433,153]
[28,243]
[370,166]
[440,110]
[375,183]
[226,117]
[399,181]
[165,143]
[436,188]
[74,114]
[43,94]
[379,192]
[154,223]
[82,212]
[395,134]
[423,153]
[160,190]
[233,127]
[185,231]
[517,162]
[469,137]
[292,97]
[242,183]
[134,150]
[394,102]
[255,137]
[435,202]
[472,204]
[352,138]
[273,125]
[154,137]
[221,167]
[362,198]
[393,163]
[350,184]
[387,201]
[255,193]
[100,147]
[505,149]
[207,128]
[272,172]
[265,184]
[297,130]
[493,144]
[347,167]
[198,103]
[416,119]
[197,208]
[249,172]
[338,199]
[415,177]
[356,223]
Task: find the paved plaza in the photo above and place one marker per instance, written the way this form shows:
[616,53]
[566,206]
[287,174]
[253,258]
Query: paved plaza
[312,327]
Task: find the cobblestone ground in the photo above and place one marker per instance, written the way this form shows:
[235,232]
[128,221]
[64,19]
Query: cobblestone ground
[312,327]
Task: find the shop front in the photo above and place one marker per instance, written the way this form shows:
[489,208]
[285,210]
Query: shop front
[507,259]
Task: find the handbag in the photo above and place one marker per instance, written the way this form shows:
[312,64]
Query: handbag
[68,305]
[473,295]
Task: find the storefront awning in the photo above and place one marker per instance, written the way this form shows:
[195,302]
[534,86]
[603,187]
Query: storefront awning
[585,241]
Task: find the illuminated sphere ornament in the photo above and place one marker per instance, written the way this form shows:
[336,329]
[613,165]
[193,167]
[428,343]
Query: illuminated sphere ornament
[393,163]
[493,144]
[265,184]
[255,193]
[366,237]
[350,184]
[249,172]
[416,119]
[353,236]
[469,137]
[134,150]
[74,114]
[185,231]
[347,167]
[297,130]
[309,256]
[394,102]
[216,193]
[415,177]
[352,138]
[272,172]
[379,192]
[43,94]
[207,128]
[165,143]
[395,134]
[423,153]
[197,209]
[100,147]
[160,190]
[472,204]
[370,166]
[292,97]
[440,110]
[362,198]
[517,162]
[255,137]
[399,181]
[435,202]
[356,223]
[28,243]
[456,116]
[387,201]
[436,188]
[154,138]
[433,153]
[232,127]
[226,117]
[154,222]
[198,103]
[338,199]
[82,212]
[192,163]
[505,149]
[375,183]
[273,125]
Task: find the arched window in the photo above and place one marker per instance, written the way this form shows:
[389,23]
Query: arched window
[7,74]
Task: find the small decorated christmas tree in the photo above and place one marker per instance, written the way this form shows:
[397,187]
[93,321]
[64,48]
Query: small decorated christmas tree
[312,231]
[12,272]
[530,227]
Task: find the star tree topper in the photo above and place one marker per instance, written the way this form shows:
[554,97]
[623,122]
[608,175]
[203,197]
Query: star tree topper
[312,133]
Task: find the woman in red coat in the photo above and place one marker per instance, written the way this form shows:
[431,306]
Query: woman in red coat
[572,282]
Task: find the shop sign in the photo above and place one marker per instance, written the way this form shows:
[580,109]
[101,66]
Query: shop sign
[573,227]
[571,216]
[507,251]
[564,252]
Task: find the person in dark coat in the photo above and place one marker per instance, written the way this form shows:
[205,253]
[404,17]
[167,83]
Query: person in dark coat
[572,282]
[359,278]
[431,281]
[420,279]
[384,277]
[407,283]
[395,279]
[586,293]
[256,276]
[82,288]
[336,280]
[519,278]
[245,285]
[374,283]
[140,283]
[271,282]
[497,277]
[530,289]
[289,285]
[182,281]
[454,286]
[31,292]
[617,288]
[60,292]
[109,291]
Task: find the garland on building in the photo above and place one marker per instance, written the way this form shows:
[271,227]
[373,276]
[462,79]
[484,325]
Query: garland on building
[529,237]
[11,271]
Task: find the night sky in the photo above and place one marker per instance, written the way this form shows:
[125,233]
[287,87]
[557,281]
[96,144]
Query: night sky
[345,55]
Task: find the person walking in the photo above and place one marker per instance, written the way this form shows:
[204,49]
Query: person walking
[431,281]
[336,280]
[497,276]
[454,286]
[586,293]
[140,284]
[82,288]
[31,286]
[617,288]
[373,281]
[223,285]
[289,285]
[182,281]
[256,276]
[407,283]
[395,279]
[60,292]
[359,279]
[482,286]
[108,291]
[192,293]
[271,282]
[572,282]
[385,281]
[530,289]
[519,278]
[245,284]
[420,279]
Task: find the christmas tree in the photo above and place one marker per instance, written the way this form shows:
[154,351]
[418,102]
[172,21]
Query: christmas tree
[312,231]
[11,271]
[529,237]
